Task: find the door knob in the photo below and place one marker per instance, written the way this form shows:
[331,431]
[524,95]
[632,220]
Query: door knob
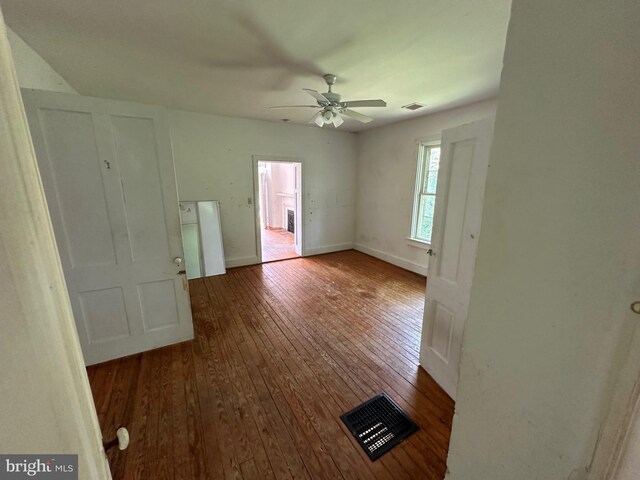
[177,261]
[635,307]
[121,440]
[431,253]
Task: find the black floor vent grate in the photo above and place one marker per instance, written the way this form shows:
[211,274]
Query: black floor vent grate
[378,425]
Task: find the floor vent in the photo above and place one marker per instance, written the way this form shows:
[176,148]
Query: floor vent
[378,425]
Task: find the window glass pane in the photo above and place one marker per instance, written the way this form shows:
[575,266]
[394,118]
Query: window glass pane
[425,217]
[422,222]
[434,158]
[431,181]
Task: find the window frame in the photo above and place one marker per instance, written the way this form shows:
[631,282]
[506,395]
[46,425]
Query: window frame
[421,170]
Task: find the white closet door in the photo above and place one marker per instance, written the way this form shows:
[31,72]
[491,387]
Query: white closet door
[108,174]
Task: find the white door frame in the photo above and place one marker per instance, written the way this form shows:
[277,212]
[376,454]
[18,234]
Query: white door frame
[624,410]
[300,202]
[56,401]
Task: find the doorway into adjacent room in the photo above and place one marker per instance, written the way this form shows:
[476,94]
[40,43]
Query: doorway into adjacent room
[279,209]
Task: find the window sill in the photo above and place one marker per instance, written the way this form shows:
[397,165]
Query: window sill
[414,242]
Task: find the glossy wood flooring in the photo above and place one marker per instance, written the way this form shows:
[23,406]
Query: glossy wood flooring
[277,245]
[280,351]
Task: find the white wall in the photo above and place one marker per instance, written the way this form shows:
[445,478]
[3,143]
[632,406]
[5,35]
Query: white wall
[558,262]
[387,162]
[213,157]
[281,181]
[32,70]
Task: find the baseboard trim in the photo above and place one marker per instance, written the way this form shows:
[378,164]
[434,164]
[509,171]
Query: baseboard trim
[397,261]
[242,261]
[338,247]
[254,259]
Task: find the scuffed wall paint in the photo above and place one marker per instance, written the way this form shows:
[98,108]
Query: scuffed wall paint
[387,162]
[213,156]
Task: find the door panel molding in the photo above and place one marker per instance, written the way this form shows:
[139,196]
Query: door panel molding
[464,161]
[110,181]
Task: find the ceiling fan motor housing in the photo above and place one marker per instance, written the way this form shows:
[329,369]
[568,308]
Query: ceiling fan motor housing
[334,98]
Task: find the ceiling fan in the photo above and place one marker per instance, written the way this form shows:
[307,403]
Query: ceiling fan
[332,108]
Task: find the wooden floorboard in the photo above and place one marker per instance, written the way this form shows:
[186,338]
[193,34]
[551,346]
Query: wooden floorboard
[277,244]
[281,350]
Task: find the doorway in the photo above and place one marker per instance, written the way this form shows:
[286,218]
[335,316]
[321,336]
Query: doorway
[278,206]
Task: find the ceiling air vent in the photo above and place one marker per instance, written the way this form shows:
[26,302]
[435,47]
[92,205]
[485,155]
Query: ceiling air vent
[414,106]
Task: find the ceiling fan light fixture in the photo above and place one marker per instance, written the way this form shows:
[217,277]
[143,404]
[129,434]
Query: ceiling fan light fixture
[332,108]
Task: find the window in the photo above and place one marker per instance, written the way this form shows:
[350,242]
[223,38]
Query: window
[425,196]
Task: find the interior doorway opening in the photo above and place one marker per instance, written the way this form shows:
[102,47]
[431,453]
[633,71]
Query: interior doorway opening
[279,209]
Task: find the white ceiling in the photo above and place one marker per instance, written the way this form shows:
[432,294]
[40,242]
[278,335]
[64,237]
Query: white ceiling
[237,58]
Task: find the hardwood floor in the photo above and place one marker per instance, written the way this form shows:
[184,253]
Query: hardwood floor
[277,245]
[280,351]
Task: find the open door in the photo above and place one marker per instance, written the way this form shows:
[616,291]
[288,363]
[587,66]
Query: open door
[464,160]
[108,175]
[298,208]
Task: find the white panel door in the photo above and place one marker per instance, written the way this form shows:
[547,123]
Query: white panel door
[464,160]
[108,175]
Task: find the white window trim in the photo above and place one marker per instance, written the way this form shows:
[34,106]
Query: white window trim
[412,239]
[416,242]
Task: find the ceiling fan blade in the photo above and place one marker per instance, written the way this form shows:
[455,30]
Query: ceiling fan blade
[356,116]
[365,103]
[337,120]
[296,106]
[318,96]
